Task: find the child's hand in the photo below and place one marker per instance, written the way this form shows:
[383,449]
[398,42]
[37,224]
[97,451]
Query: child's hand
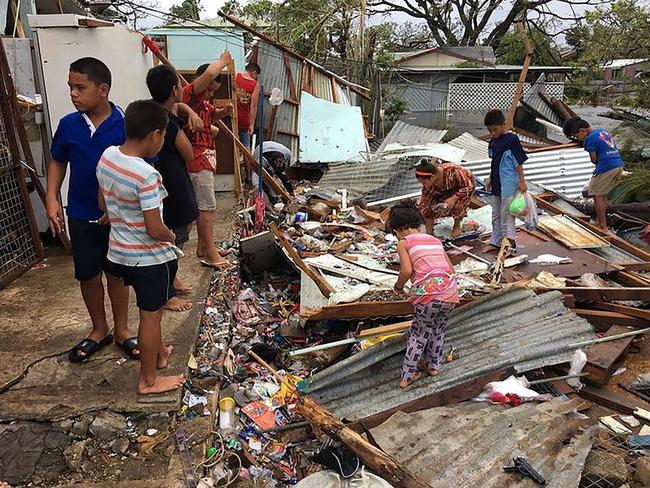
[103,220]
[488,184]
[195,122]
[226,57]
[522,187]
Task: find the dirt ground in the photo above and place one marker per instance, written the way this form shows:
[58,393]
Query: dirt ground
[42,316]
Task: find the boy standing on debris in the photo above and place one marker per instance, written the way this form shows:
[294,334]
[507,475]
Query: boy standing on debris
[203,165]
[79,141]
[141,245]
[506,176]
[247,89]
[433,290]
[607,158]
[179,209]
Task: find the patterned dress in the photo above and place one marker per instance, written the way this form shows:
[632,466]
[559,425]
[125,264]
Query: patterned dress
[457,181]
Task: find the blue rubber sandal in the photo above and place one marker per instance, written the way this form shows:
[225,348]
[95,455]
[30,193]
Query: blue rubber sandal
[88,347]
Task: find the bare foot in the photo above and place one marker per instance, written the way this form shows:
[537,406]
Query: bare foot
[406,383]
[163,356]
[161,384]
[455,233]
[182,287]
[176,304]
[430,371]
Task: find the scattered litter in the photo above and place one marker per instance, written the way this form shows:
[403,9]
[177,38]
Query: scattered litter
[614,425]
[120,361]
[619,371]
[630,420]
[550,260]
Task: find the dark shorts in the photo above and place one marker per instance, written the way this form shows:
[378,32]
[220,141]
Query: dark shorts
[89,249]
[153,285]
[182,234]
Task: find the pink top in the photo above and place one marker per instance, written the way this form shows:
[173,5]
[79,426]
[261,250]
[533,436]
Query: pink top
[432,278]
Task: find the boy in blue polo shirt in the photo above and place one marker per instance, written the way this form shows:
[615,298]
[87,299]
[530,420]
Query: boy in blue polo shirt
[79,142]
[506,176]
[607,158]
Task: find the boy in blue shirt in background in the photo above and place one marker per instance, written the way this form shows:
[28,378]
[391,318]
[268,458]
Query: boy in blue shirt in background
[79,142]
[607,158]
[506,176]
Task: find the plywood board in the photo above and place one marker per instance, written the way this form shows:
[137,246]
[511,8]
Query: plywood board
[570,232]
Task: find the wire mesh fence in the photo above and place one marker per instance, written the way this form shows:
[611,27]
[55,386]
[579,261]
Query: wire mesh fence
[612,463]
[18,238]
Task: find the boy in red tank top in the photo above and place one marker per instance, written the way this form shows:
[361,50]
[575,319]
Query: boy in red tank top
[248,92]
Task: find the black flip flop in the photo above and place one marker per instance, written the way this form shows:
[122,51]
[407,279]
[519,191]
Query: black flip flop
[89,347]
[128,346]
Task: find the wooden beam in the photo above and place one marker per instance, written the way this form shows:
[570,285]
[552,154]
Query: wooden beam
[292,83]
[94,23]
[609,398]
[335,95]
[644,266]
[586,294]
[358,310]
[624,309]
[569,145]
[322,284]
[268,131]
[384,329]
[13,7]
[253,164]
[450,396]
[288,132]
[609,318]
[603,358]
[630,278]
[522,76]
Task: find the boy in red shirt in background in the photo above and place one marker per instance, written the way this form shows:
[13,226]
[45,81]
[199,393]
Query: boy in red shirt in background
[204,165]
[248,92]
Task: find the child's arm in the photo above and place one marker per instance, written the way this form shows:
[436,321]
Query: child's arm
[184,146]
[215,68]
[522,180]
[253,110]
[594,157]
[55,176]
[215,130]
[220,113]
[405,267]
[103,220]
[155,226]
[193,120]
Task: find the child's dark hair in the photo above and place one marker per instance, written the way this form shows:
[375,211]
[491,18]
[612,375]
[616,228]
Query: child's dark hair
[142,117]
[572,126]
[494,117]
[405,215]
[425,169]
[161,80]
[94,69]
[253,68]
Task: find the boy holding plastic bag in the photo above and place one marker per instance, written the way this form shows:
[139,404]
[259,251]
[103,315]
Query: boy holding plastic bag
[506,176]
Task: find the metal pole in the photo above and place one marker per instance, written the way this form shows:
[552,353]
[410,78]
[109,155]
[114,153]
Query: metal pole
[610,338]
[566,377]
[320,347]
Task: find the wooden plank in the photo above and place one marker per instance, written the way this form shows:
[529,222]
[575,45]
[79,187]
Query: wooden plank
[604,294]
[609,318]
[609,398]
[19,29]
[358,310]
[644,266]
[570,233]
[603,358]
[384,329]
[322,284]
[624,309]
[522,76]
[253,164]
[268,131]
[85,22]
[292,83]
[288,132]
[630,278]
[335,95]
[455,394]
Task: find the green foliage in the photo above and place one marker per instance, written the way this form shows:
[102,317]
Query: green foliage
[512,50]
[394,107]
[634,187]
[188,9]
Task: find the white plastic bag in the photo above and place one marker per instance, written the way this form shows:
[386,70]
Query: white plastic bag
[578,362]
[529,214]
[277,97]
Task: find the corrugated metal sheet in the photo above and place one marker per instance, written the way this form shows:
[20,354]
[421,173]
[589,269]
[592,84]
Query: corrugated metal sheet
[511,327]
[534,100]
[274,74]
[475,148]
[565,171]
[471,443]
[410,135]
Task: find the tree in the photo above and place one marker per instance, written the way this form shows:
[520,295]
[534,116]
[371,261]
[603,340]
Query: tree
[188,9]
[511,49]
[125,11]
[474,22]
